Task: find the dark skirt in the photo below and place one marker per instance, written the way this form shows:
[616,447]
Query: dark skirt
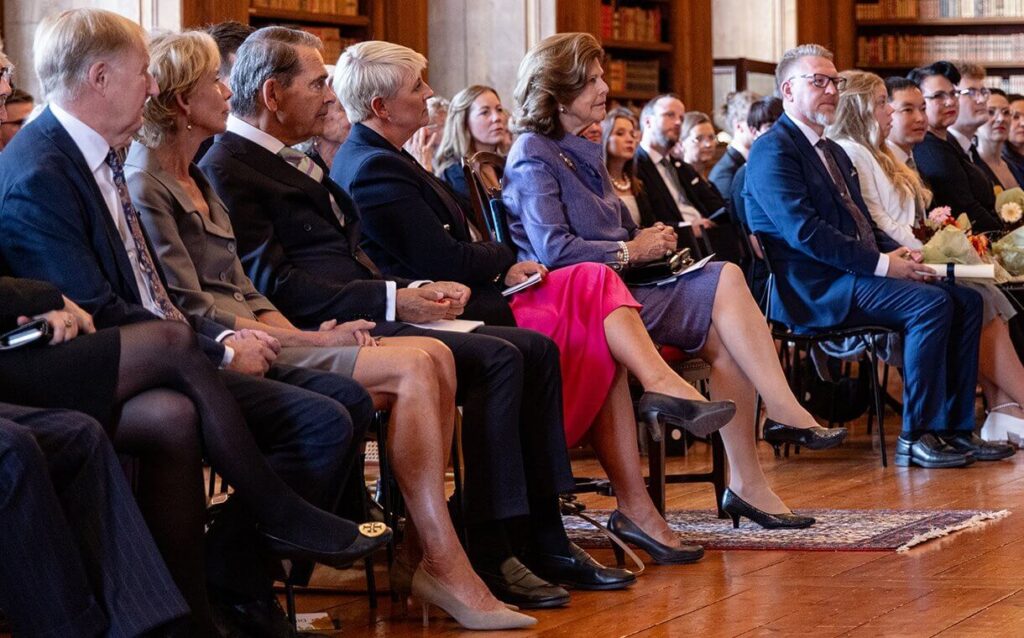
[80,374]
[679,314]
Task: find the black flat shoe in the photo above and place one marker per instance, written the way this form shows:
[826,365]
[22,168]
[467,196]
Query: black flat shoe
[580,571]
[736,507]
[620,525]
[931,452]
[979,448]
[699,418]
[814,438]
[515,584]
[370,537]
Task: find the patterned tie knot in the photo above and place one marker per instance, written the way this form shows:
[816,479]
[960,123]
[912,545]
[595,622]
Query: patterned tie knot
[303,162]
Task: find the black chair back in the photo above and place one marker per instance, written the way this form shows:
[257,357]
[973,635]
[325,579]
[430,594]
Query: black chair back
[486,170]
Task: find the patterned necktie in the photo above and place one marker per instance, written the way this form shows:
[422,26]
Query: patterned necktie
[864,231]
[919,211]
[146,265]
[303,162]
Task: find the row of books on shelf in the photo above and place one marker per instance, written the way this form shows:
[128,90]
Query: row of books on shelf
[632,75]
[883,9]
[630,23]
[916,49]
[334,44]
[1008,83]
[331,7]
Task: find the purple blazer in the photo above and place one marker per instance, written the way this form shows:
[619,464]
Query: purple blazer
[561,207]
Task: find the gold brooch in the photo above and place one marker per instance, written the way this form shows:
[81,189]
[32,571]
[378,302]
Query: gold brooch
[372,530]
[568,162]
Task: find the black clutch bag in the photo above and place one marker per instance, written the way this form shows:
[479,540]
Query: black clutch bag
[656,271]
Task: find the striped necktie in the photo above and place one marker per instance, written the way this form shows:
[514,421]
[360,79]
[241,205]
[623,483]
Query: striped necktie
[303,162]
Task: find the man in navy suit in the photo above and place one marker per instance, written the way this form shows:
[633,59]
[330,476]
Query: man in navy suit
[66,218]
[835,268]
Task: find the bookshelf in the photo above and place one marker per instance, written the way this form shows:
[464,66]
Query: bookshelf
[338,23]
[893,36]
[652,46]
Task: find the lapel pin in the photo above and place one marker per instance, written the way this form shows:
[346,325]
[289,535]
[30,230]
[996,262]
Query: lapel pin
[568,162]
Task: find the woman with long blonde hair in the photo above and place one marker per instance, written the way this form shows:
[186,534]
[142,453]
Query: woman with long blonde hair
[897,200]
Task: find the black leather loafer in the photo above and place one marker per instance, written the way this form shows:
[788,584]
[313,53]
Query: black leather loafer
[370,537]
[515,584]
[931,452]
[981,450]
[814,438]
[580,571]
[259,619]
[620,525]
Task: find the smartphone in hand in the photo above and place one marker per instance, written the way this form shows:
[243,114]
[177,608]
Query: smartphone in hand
[37,331]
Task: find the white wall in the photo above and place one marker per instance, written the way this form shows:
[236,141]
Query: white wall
[482,41]
[22,16]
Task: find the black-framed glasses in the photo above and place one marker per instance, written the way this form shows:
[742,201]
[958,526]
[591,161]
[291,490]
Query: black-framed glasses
[975,94]
[821,81]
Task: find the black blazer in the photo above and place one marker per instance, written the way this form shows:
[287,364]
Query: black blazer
[956,182]
[701,193]
[724,172]
[415,225]
[26,297]
[55,226]
[289,239]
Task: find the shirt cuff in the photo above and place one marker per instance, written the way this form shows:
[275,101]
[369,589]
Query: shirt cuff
[392,297]
[420,282]
[882,269]
[224,335]
[229,356]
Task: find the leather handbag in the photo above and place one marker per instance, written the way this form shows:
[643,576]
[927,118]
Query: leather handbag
[655,271]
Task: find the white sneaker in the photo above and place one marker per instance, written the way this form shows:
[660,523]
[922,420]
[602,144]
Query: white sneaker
[1003,428]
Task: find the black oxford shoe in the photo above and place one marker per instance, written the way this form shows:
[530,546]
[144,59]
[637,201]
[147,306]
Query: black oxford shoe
[981,450]
[515,584]
[930,451]
[580,571]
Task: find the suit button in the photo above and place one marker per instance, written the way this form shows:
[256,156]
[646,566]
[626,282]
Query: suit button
[231,247]
[307,227]
[239,296]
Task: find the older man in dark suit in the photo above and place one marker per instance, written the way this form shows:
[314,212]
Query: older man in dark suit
[835,268]
[298,236]
[67,218]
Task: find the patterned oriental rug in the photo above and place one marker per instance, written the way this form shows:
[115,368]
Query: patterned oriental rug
[835,530]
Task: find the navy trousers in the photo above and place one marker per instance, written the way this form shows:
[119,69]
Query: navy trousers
[941,327]
[76,558]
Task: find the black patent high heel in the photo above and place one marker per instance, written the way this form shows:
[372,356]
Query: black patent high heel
[736,507]
[814,438]
[620,525]
[699,418]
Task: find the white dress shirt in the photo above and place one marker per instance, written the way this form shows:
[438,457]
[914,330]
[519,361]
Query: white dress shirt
[961,139]
[671,178]
[882,267]
[256,136]
[892,211]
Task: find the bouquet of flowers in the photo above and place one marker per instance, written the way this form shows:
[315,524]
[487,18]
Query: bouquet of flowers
[1009,251]
[1010,206]
[953,242]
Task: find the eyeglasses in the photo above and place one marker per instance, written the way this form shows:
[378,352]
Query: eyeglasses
[943,96]
[975,94]
[821,81]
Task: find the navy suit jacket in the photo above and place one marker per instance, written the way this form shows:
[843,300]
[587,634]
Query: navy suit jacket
[55,226]
[724,172]
[701,193]
[809,234]
[410,229]
[289,239]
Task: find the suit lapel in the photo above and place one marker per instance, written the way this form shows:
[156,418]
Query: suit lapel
[97,205]
[811,155]
[653,181]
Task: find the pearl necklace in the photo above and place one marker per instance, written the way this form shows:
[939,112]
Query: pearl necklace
[625,185]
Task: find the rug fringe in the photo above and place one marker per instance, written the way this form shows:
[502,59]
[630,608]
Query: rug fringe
[939,532]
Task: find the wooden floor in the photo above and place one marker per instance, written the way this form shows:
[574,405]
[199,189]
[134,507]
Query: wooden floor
[968,584]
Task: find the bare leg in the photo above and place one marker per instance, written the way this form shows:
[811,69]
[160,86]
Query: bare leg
[418,444]
[162,429]
[631,346]
[1000,370]
[613,438]
[742,331]
[728,381]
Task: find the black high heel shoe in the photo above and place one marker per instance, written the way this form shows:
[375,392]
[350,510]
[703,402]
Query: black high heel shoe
[620,525]
[699,418]
[369,538]
[736,507]
[813,438]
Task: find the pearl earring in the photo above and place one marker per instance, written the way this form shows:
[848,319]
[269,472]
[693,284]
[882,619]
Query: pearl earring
[562,109]
[188,126]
